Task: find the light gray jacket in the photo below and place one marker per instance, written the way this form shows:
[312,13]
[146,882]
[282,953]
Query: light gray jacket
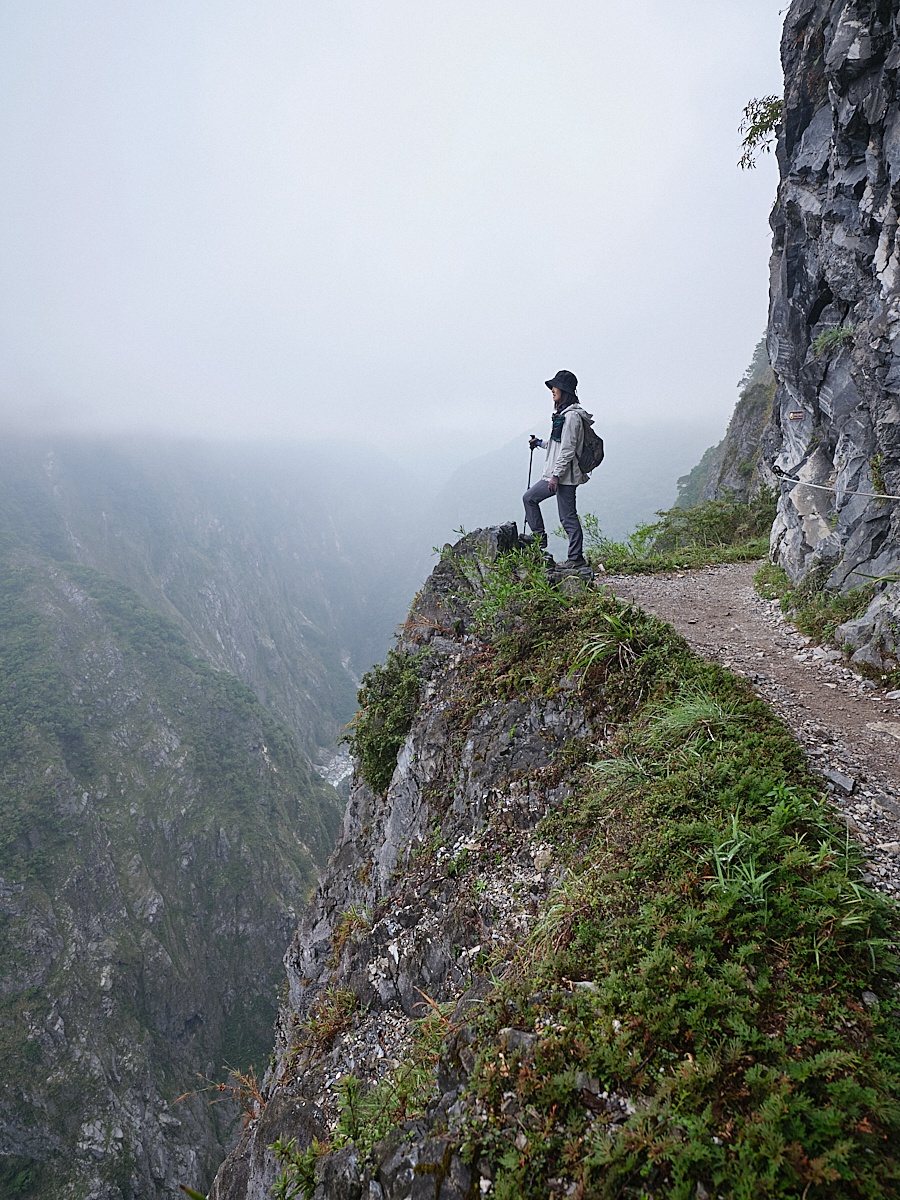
[562,456]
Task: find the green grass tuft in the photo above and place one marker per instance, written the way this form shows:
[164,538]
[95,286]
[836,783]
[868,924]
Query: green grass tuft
[833,339]
[513,590]
[814,609]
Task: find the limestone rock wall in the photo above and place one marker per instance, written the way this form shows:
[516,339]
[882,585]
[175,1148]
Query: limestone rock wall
[834,333]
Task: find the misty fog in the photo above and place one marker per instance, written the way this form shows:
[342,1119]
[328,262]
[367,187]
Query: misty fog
[389,222]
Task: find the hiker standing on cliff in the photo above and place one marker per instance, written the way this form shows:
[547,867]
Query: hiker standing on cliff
[562,472]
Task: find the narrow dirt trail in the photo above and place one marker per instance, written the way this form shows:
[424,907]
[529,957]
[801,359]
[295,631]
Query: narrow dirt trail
[849,728]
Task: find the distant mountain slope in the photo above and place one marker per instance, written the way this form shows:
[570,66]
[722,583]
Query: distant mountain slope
[159,833]
[281,564]
[180,631]
[736,465]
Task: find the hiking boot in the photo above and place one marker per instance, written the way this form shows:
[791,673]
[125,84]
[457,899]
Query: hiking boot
[573,564]
[535,539]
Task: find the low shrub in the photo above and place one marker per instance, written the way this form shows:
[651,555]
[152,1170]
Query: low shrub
[815,610]
[716,531]
[370,1113]
[297,1168]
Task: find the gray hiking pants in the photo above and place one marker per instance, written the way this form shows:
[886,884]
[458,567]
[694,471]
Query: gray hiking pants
[565,499]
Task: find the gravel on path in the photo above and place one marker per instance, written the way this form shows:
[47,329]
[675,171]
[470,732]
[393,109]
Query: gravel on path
[849,727]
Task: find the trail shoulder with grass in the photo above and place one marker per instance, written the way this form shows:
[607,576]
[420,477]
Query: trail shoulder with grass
[848,725]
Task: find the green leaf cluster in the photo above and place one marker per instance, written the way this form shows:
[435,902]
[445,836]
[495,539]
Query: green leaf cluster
[816,610]
[297,1168]
[758,128]
[388,699]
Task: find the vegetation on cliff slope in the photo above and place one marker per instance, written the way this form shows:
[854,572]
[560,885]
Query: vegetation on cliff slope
[734,987]
[159,832]
[818,611]
[708,1003]
[388,698]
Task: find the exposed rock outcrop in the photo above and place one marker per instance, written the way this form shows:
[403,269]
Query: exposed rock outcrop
[391,925]
[544,881]
[834,333]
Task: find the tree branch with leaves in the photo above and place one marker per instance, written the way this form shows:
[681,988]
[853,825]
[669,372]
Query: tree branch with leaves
[758,128]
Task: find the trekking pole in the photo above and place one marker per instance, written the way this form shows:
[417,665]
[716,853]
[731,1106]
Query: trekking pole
[530,461]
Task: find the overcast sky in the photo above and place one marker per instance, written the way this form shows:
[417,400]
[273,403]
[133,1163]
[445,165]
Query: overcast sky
[391,217]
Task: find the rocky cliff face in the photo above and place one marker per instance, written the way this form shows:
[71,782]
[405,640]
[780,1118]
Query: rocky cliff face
[404,919]
[518,973]
[834,335]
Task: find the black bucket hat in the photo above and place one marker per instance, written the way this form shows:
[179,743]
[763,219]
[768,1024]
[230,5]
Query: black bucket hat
[564,380]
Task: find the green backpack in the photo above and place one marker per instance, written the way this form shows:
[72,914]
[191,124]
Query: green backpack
[591,455]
